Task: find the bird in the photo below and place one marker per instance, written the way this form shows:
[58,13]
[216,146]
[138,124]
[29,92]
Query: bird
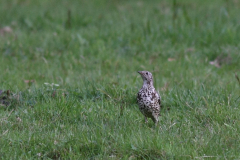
[148,99]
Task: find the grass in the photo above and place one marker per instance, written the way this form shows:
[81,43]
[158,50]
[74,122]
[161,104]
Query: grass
[93,49]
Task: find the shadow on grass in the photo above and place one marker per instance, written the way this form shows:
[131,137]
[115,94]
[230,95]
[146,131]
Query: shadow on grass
[151,154]
[85,150]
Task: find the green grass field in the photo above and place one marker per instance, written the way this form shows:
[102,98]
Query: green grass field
[93,50]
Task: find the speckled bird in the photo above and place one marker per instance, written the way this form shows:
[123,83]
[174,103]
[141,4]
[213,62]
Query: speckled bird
[149,101]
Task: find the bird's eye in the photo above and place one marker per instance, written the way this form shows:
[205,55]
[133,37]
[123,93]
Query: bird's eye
[147,73]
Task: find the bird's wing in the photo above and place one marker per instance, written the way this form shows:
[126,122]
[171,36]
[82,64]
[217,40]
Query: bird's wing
[159,98]
[138,97]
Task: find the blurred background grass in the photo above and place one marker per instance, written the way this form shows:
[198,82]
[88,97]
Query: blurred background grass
[66,41]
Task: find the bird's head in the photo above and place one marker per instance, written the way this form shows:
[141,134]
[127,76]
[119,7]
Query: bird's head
[146,76]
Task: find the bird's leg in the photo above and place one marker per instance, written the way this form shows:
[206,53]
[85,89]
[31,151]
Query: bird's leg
[155,119]
[146,120]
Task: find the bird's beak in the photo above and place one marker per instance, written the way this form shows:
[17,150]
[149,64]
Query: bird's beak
[140,72]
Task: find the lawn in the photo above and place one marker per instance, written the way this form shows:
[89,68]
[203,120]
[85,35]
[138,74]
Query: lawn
[69,79]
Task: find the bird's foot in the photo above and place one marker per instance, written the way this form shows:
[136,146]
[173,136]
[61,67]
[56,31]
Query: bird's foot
[146,120]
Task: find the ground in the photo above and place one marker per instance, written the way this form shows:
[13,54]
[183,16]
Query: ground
[71,71]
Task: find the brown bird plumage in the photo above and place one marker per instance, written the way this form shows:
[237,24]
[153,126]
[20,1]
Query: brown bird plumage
[148,99]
